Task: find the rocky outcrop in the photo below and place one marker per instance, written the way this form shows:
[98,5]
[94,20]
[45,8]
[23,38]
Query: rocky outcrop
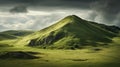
[50,39]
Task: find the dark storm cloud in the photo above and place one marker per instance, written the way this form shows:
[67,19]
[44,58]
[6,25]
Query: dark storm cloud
[47,4]
[108,6]
[107,10]
[68,3]
[19,9]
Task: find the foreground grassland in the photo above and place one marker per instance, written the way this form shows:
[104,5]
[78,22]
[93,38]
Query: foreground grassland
[107,56]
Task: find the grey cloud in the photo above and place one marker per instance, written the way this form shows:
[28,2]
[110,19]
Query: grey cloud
[19,9]
[41,22]
[2,28]
[50,3]
[109,9]
[27,22]
[104,11]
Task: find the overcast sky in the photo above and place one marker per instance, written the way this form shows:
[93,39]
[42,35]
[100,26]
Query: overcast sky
[38,14]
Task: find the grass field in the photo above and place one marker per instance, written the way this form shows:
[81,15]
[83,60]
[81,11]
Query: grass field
[108,56]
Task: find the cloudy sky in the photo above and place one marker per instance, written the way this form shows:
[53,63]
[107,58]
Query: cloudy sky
[38,14]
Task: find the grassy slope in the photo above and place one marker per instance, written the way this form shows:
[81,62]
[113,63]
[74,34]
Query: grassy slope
[75,29]
[43,32]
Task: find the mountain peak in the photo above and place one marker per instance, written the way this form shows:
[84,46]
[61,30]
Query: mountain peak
[73,16]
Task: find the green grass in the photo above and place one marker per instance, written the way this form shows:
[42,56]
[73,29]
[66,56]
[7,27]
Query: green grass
[108,56]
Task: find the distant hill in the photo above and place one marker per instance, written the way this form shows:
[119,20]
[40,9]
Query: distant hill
[6,36]
[17,32]
[12,34]
[70,33]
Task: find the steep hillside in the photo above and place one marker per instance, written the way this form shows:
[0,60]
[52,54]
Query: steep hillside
[69,33]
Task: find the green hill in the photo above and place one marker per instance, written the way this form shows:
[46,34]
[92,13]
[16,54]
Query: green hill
[6,36]
[13,34]
[18,32]
[69,33]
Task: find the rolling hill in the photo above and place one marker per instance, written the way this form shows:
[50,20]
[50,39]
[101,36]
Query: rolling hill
[6,36]
[71,32]
[13,34]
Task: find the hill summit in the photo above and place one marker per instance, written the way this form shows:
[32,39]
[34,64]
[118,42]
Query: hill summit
[72,32]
